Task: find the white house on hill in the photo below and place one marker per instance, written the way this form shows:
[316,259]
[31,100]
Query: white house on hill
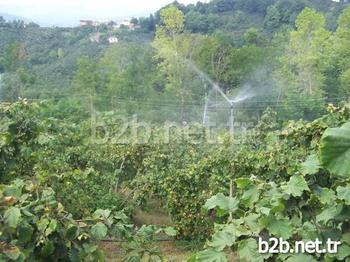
[113,40]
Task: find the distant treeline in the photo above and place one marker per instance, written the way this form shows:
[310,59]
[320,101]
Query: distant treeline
[238,15]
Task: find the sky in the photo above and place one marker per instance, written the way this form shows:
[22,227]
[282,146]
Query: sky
[69,12]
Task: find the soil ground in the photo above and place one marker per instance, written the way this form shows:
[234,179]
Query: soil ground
[154,215]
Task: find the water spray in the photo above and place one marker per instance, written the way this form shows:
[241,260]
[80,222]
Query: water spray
[231,102]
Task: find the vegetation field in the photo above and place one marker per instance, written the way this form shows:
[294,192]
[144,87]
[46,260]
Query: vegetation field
[206,129]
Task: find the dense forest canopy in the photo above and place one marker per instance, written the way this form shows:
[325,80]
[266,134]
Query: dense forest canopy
[239,15]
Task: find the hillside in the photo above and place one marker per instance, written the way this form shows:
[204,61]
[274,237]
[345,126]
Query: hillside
[51,53]
[236,16]
[237,44]
[10,17]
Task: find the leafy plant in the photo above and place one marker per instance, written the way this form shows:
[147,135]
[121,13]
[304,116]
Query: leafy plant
[309,203]
[335,150]
[35,227]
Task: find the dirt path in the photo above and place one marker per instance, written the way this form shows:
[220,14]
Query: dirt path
[154,215]
[114,251]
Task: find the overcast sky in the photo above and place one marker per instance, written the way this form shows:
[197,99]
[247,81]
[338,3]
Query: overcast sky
[69,12]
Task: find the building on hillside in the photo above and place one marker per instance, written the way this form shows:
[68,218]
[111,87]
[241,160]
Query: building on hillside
[113,40]
[124,24]
[86,22]
[95,38]
[89,23]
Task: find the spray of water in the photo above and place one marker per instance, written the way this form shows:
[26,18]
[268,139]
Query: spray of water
[203,75]
[245,93]
[242,95]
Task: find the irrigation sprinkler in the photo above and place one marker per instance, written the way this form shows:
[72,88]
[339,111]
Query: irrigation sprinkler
[205,109]
[232,120]
[231,103]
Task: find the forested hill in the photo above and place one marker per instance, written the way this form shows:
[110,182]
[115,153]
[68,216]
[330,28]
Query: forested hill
[49,55]
[238,15]
[294,54]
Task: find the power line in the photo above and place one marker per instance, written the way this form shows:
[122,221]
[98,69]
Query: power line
[163,103]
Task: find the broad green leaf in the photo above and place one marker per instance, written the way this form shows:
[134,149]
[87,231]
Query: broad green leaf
[243,182]
[236,228]
[51,227]
[26,212]
[252,222]
[147,230]
[344,194]
[308,231]
[343,252]
[12,216]
[72,232]
[296,186]
[42,224]
[25,233]
[335,150]
[325,195]
[211,255]
[329,213]
[280,228]
[296,221]
[264,210]
[121,216]
[248,251]
[250,196]
[300,258]
[170,231]
[15,189]
[345,238]
[223,202]
[222,239]
[99,231]
[100,213]
[311,165]
[48,249]
[344,214]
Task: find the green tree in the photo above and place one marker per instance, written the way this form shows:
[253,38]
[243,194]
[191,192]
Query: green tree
[272,19]
[86,81]
[253,37]
[173,22]
[342,51]
[128,71]
[10,59]
[305,61]
[196,22]
[228,66]
[16,78]
[174,51]
[345,81]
